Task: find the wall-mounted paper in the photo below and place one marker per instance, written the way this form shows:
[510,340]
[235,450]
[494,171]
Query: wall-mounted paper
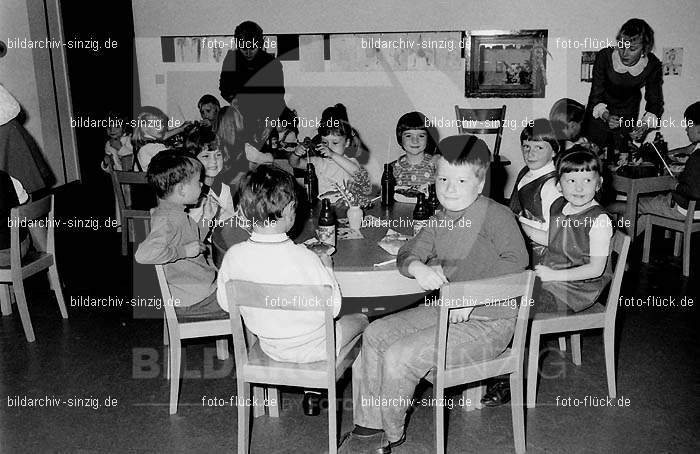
[673,61]
[311,53]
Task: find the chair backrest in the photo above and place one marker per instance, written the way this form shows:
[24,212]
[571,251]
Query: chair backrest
[482,121]
[690,217]
[502,290]
[38,216]
[620,246]
[275,297]
[170,315]
[122,178]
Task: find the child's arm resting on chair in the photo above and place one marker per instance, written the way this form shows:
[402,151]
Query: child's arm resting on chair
[159,246]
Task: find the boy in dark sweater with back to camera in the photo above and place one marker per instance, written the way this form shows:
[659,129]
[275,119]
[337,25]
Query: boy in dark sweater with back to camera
[473,238]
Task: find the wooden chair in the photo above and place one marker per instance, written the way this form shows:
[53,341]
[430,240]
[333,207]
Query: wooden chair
[477,116]
[254,366]
[598,316]
[128,213]
[684,230]
[176,330]
[506,288]
[42,257]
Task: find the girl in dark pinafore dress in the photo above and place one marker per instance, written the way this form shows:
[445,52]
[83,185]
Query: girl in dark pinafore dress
[576,267]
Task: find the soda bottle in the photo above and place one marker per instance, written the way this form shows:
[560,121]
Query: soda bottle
[420,214]
[388,184]
[311,184]
[433,201]
[326,224]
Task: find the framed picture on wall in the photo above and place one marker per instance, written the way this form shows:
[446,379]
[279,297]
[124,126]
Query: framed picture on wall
[506,64]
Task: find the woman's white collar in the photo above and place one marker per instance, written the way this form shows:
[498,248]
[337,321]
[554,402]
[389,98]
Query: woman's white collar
[634,70]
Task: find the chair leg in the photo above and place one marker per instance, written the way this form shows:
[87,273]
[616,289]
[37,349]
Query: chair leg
[332,421]
[222,349]
[677,244]
[518,411]
[5,301]
[258,401]
[56,284]
[562,343]
[533,364]
[125,237]
[166,341]
[576,349]
[609,340]
[273,401]
[439,394]
[686,254]
[243,416]
[647,241]
[18,287]
[175,352]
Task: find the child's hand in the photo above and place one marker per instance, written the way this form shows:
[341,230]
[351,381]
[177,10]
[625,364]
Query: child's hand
[194,248]
[427,277]
[545,273]
[209,208]
[324,151]
[613,121]
[460,315]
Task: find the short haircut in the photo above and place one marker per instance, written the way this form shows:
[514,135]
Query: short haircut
[466,149]
[692,113]
[334,121]
[201,138]
[579,159]
[289,119]
[540,130]
[249,31]
[566,110]
[634,27]
[208,99]
[265,192]
[138,138]
[415,121]
[170,167]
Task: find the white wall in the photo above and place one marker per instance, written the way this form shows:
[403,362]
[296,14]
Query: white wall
[376,100]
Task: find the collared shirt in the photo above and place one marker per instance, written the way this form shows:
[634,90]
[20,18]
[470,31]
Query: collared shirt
[294,336]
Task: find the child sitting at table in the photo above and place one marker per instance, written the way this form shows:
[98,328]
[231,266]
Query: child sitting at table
[118,149]
[415,169]
[176,240]
[287,130]
[566,117]
[332,166]
[535,186]
[399,350]
[150,133]
[675,203]
[268,201]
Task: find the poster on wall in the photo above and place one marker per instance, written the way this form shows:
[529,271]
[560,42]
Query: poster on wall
[673,61]
[425,51]
[205,49]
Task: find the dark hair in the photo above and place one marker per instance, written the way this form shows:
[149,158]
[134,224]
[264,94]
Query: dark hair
[466,149]
[334,121]
[115,116]
[692,113]
[540,130]
[634,27]
[265,192]
[208,99]
[564,111]
[249,31]
[201,138]
[170,167]
[579,159]
[289,119]
[415,121]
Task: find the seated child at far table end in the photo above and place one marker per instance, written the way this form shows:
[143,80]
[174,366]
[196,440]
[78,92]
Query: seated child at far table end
[176,240]
[416,168]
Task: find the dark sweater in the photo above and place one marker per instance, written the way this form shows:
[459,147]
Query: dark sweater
[490,246]
[688,181]
[623,92]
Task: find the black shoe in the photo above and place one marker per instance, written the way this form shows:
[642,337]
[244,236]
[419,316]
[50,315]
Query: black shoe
[387,446]
[311,404]
[352,443]
[497,393]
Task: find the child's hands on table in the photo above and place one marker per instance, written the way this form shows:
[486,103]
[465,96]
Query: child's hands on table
[428,278]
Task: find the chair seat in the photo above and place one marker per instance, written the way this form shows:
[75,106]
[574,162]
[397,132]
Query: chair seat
[593,317]
[31,263]
[263,369]
[503,364]
[183,318]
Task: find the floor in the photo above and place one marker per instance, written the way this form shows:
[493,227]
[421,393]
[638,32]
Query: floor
[104,367]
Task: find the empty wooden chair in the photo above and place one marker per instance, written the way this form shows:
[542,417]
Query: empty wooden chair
[684,230]
[254,366]
[509,288]
[597,316]
[42,257]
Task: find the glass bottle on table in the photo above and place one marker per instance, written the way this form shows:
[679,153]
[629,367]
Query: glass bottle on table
[325,231]
[421,214]
[388,184]
[311,184]
[433,201]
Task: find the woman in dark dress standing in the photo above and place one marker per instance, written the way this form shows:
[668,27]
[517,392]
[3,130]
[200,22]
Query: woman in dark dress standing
[619,73]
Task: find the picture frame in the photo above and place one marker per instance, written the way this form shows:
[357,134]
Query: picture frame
[506,64]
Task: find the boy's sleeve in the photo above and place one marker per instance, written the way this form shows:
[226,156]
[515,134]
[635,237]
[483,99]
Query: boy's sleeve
[689,179]
[512,255]
[158,247]
[421,247]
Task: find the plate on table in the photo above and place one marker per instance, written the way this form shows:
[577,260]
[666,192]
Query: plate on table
[405,194]
[319,248]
